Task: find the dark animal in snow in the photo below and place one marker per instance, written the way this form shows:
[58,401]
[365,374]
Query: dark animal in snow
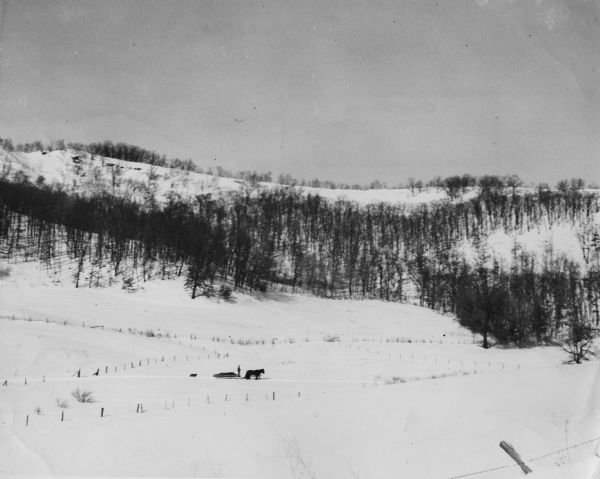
[254,372]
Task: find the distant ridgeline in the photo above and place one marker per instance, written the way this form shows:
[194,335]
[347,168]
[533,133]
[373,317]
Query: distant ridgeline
[437,255]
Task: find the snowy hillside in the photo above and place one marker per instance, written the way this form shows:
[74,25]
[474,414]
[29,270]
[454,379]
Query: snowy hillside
[84,173]
[351,389]
[525,260]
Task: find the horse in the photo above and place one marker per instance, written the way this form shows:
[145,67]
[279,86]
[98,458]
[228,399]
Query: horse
[254,372]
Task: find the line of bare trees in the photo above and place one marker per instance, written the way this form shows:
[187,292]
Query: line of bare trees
[280,238]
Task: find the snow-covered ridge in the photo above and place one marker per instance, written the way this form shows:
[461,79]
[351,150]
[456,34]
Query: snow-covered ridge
[84,173]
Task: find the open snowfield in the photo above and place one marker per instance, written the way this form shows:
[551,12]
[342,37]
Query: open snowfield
[352,389]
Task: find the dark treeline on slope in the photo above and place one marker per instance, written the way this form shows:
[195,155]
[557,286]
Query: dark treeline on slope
[122,151]
[279,238]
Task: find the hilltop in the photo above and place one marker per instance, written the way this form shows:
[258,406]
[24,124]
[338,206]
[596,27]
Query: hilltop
[84,173]
[79,172]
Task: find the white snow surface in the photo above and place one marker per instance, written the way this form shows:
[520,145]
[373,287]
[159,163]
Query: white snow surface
[58,168]
[344,395]
[352,389]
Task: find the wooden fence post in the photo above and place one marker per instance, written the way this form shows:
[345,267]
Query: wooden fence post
[515,456]
[101,412]
[62,416]
[27,420]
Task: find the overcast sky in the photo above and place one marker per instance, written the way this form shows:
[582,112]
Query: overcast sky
[343,90]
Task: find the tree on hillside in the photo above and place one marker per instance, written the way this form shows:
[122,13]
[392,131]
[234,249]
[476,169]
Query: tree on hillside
[482,305]
[579,341]
[482,297]
[453,185]
[7,144]
[513,181]
[580,333]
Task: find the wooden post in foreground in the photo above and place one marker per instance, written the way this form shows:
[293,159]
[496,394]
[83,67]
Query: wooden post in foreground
[515,456]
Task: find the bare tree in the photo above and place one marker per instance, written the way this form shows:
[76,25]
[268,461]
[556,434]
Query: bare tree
[579,342]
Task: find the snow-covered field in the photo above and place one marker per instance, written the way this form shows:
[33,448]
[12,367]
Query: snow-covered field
[352,389]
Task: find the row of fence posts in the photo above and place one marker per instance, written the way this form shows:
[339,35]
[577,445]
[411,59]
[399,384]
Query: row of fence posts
[140,407]
[393,340]
[78,372]
[193,337]
[412,357]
